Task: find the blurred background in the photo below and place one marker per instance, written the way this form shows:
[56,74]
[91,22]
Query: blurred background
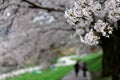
[35,33]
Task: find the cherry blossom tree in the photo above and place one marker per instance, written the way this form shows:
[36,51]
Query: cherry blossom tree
[97,22]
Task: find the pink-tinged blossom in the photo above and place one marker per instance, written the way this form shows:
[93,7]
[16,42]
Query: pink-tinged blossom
[113,9]
[77,10]
[103,28]
[110,5]
[90,38]
[87,14]
[71,18]
[114,15]
[97,9]
[84,2]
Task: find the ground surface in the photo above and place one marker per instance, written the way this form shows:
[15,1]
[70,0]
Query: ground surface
[72,76]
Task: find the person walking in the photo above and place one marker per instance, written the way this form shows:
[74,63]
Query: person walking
[76,68]
[84,69]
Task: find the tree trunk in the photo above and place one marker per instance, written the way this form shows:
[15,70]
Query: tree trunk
[111,55]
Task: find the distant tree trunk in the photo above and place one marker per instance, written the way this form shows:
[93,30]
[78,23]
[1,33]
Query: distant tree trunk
[111,55]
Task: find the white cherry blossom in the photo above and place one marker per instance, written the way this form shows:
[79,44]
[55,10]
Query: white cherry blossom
[90,38]
[96,17]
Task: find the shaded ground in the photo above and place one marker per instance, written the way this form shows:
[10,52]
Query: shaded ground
[71,76]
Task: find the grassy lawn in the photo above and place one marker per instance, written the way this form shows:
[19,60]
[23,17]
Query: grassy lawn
[93,62]
[45,75]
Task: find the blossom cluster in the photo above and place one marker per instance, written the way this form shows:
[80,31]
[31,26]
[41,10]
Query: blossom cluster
[79,15]
[113,9]
[103,28]
[93,36]
[95,17]
[90,38]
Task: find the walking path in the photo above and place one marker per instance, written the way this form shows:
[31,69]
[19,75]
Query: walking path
[72,76]
[65,61]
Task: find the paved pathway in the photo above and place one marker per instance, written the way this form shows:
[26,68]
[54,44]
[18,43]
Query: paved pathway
[71,76]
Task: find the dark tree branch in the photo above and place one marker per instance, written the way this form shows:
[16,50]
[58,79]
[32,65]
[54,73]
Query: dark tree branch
[37,6]
[57,29]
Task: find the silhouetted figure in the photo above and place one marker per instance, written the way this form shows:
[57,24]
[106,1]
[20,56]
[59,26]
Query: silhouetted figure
[77,68]
[80,66]
[84,69]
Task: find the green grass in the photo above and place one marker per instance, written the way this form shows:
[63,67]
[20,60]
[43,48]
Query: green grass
[45,75]
[93,61]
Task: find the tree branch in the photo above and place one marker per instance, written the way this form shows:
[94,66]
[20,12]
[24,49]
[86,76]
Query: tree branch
[37,6]
[57,29]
